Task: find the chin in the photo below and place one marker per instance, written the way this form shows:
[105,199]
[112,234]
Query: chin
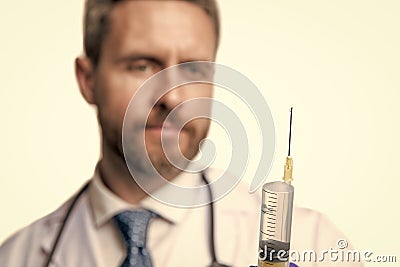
[165,168]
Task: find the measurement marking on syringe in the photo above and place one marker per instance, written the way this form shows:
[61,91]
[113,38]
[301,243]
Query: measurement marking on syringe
[269,235]
[264,233]
[269,213]
[271,216]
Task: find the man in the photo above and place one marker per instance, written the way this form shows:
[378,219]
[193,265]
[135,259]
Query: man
[126,42]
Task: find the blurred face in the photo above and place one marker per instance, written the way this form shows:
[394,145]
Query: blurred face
[144,38]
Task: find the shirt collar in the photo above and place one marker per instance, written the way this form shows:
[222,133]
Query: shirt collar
[105,204]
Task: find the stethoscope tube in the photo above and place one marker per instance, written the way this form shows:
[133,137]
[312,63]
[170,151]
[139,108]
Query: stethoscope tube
[214,260]
[66,217]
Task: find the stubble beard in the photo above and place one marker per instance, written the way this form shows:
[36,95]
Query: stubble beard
[152,162]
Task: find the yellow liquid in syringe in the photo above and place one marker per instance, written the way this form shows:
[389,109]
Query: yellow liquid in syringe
[270,264]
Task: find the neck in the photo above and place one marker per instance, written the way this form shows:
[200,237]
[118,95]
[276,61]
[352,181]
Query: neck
[116,176]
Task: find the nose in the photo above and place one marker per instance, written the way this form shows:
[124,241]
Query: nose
[171,99]
[171,92]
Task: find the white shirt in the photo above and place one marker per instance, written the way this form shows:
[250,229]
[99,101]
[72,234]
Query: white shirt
[178,237]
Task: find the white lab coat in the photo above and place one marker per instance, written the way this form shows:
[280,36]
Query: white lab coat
[236,234]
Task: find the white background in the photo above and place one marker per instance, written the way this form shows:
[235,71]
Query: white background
[337,62]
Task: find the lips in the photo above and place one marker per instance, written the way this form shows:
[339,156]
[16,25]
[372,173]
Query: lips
[167,130]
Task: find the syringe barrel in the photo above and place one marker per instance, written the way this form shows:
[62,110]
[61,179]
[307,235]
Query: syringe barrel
[276,221]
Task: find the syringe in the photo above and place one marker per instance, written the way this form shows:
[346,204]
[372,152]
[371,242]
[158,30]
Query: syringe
[276,217]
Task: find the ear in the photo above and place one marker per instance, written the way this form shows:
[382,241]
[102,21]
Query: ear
[84,72]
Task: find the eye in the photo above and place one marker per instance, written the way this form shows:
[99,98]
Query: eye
[197,70]
[193,68]
[138,66]
[142,66]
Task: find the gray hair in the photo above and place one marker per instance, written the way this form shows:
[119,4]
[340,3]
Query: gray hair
[96,23]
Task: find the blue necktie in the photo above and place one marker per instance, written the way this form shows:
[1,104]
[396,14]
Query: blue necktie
[133,227]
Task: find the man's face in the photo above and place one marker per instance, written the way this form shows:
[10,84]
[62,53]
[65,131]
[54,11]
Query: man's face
[145,37]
